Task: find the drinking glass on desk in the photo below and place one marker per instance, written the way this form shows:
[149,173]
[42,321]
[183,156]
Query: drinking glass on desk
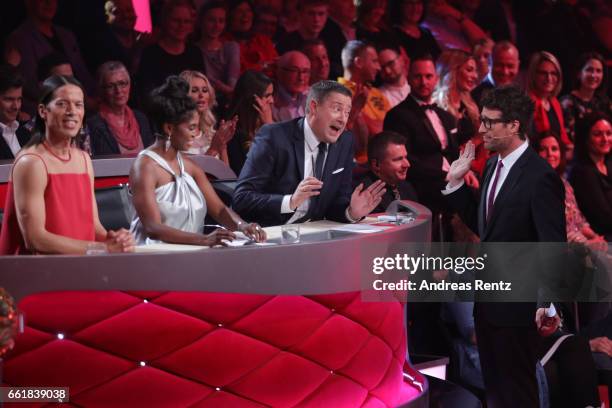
[290,234]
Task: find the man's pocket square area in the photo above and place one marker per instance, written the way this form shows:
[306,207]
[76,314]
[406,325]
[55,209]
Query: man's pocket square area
[337,170]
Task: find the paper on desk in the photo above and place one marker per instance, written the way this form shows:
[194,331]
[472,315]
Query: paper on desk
[358,228]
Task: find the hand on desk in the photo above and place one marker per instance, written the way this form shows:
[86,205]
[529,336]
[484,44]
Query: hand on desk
[120,241]
[253,231]
[309,187]
[217,237]
[363,201]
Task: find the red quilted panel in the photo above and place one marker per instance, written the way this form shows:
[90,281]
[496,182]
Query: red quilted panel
[213,307]
[127,333]
[337,392]
[215,365]
[391,383]
[221,399]
[145,294]
[144,387]
[335,343]
[68,312]
[28,340]
[284,320]
[63,363]
[369,367]
[284,381]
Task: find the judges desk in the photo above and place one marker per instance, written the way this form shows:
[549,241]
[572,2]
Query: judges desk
[279,325]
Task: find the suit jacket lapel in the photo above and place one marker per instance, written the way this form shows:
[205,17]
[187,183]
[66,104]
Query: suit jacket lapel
[426,122]
[511,179]
[298,147]
[482,209]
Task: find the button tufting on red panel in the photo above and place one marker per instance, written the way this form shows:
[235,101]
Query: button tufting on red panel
[128,333]
[62,363]
[71,311]
[370,365]
[144,387]
[284,320]
[220,358]
[29,340]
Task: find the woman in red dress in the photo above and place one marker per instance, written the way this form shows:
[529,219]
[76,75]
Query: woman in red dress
[50,205]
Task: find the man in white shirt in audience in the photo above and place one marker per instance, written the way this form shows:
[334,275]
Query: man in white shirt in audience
[393,75]
[11,90]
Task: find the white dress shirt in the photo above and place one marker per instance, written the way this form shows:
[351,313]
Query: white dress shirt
[395,94]
[9,133]
[438,127]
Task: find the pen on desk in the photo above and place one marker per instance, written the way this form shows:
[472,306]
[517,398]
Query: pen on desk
[214,226]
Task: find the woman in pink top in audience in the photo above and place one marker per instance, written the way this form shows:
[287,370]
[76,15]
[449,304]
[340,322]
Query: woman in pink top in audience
[50,206]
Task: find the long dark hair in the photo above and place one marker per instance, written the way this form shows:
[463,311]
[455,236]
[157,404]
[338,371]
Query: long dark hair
[47,93]
[249,84]
[536,143]
[583,134]
[582,61]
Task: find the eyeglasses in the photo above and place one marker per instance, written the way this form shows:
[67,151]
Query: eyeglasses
[488,122]
[116,85]
[296,71]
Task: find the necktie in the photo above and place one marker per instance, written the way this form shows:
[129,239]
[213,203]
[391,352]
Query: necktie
[396,193]
[491,198]
[318,170]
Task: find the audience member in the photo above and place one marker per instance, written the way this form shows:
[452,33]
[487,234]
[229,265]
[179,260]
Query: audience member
[314,24]
[393,74]
[544,81]
[38,36]
[289,18]
[14,136]
[343,13]
[209,141]
[589,92]
[172,194]
[591,175]
[452,25]
[221,57]
[406,17]
[266,22]
[360,62]
[431,138]
[504,69]
[578,229]
[388,161]
[116,128]
[257,51]
[316,52]
[50,205]
[172,53]
[482,54]
[252,103]
[301,169]
[370,23]
[458,76]
[292,83]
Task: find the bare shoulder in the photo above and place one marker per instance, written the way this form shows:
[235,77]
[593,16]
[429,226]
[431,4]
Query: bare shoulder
[29,160]
[192,167]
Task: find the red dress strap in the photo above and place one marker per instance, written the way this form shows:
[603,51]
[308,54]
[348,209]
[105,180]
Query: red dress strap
[29,154]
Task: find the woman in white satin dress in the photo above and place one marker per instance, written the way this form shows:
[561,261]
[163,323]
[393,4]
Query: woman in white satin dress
[171,194]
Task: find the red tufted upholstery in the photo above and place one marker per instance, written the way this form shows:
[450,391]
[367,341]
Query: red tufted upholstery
[208,349]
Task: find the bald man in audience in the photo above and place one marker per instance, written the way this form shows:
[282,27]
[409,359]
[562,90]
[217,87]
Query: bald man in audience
[292,84]
[505,68]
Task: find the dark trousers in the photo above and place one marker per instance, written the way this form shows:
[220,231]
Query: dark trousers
[508,357]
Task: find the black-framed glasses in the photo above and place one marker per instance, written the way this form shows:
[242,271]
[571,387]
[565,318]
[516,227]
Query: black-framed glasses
[488,122]
[117,85]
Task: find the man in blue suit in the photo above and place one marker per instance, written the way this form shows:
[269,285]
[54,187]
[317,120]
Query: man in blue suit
[301,169]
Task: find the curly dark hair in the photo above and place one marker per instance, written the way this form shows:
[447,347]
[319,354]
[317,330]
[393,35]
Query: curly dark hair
[170,103]
[513,103]
[583,134]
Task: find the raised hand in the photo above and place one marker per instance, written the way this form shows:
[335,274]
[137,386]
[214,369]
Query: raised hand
[363,201]
[460,167]
[309,187]
[264,109]
[223,135]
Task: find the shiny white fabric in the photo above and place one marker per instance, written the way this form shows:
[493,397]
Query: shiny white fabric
[181,203]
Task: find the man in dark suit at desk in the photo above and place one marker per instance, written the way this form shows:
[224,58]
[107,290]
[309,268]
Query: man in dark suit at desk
[522,200]
[431,136]
[12,135]
[301,169]
[388,161]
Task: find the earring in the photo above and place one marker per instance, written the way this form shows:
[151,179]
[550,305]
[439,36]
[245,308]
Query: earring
[167,144]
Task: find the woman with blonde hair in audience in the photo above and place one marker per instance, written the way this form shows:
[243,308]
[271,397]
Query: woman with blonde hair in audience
[544,82]
[458,76]
[117,128]
[50,205]
[210,141]
[171,193]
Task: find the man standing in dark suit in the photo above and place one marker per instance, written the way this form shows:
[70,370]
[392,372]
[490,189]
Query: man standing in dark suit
[13,135]
[301,169]
[388,161]
[431,136]
[522,200]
